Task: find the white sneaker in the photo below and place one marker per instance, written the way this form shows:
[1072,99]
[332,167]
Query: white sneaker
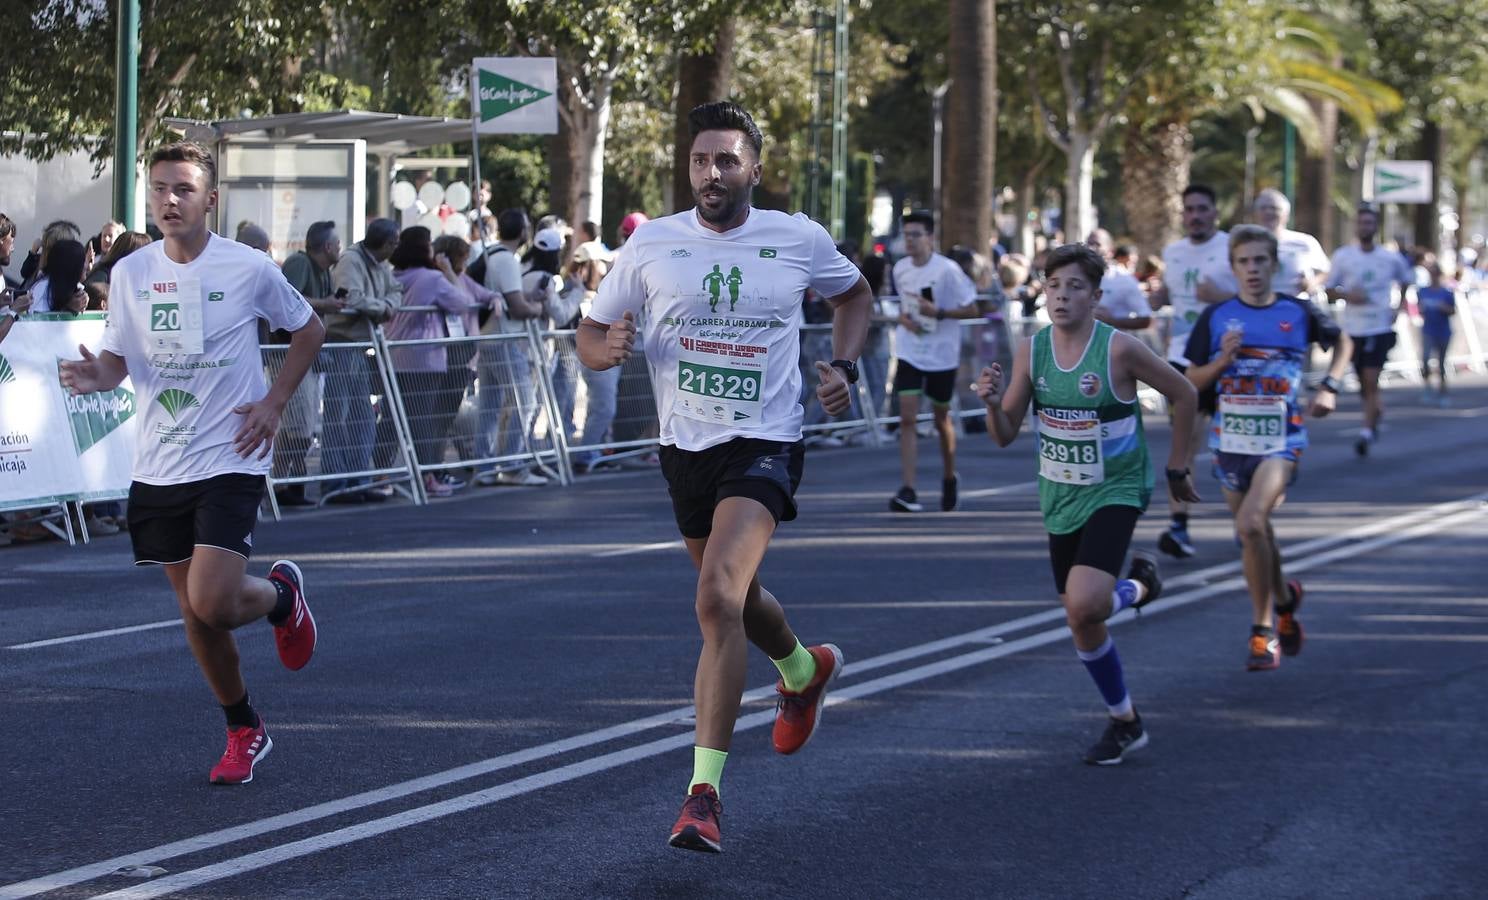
[98,527]
[522,477]
[827,441]
[436,488]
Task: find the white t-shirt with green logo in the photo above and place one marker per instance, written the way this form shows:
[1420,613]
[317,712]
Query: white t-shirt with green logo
[186,399]
[1185,264]
[720,316]
[938,347]
[1377,273]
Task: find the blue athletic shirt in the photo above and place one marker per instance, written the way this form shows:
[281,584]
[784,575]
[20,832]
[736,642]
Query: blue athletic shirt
[1434,303]
[1273,353]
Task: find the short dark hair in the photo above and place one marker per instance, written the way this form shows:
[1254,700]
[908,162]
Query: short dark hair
[187,151]
[380,233]
[415,249]
[920,217]
[7,227]
[1204,189]
[1092,264]
[724,115]
[317,235]
[591,229]
[1125,250]
[1366,207]
[510,223]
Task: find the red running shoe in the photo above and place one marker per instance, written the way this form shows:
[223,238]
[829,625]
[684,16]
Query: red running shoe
[246,748]
[295,636]
[697,826]
[1288,629]
[797,715]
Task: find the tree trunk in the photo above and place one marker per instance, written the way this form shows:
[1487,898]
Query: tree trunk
[971,126]
[1079,186]
[1154,171]
[1313,205]
[576,152]
[701,78]
[1427,221]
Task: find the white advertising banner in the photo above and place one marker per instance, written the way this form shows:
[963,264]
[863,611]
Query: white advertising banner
[55,447]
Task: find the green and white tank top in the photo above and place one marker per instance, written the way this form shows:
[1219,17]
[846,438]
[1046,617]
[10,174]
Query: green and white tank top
[1092,450]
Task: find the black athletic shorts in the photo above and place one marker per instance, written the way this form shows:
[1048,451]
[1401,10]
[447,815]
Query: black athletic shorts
[1372,351]
[168,521]
[1100,543]
[938,386]
[764,471]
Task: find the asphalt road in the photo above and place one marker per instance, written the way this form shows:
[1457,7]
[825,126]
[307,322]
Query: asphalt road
[499,704]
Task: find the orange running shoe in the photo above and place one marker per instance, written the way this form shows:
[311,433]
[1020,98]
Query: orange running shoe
[1265,650]
[1288,629]
[798,714]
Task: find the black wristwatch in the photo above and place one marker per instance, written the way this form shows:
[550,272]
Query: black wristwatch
[849,369]
[1176,474]
[1329,384]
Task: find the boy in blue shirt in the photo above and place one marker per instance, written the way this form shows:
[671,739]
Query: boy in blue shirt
[1438,303]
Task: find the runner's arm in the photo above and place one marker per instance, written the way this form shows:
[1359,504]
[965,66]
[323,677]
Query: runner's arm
[92,374]
[1006,410]
[851,313]
[304,345]
[1136,361]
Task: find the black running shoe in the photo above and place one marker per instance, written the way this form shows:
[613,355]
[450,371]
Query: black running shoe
[1361,447]
[1176,543]
[1143,570]
[1288,629]
[906,501]
[949,499]
[1119,739]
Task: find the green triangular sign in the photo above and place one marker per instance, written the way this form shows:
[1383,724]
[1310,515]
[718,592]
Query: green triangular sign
[7,375]
[1385,180]
[500,95]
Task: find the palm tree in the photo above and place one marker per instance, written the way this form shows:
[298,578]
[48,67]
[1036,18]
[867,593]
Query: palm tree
[971,125]
[1292,74]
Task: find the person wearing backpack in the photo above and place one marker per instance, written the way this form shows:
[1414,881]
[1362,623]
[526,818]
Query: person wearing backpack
[507,394]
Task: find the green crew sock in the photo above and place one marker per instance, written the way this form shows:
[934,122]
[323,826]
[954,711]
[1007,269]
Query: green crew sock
[707,767]
[796,670]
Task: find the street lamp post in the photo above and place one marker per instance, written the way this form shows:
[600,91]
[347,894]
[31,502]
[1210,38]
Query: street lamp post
[938,112]
[126,113]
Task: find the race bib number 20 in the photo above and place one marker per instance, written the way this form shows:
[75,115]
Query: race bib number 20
[176,317]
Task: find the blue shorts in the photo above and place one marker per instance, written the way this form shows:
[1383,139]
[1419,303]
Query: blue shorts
[1235,470]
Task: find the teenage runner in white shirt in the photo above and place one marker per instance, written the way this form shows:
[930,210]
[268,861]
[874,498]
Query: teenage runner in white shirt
[183,325]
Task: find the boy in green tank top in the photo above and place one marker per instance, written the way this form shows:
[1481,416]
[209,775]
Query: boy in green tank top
[1095,478]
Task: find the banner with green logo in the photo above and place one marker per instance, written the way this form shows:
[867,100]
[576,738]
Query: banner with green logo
[55,447]
[514,95]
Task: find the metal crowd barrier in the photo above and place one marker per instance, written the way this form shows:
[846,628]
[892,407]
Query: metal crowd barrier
[390,412]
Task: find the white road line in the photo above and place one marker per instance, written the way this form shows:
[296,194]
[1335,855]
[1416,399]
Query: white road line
[195,877]
[1018,488]
[93,635]
[642,548]
[1355,541]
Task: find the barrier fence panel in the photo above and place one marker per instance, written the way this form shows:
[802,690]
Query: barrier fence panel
[341,428]
[474,402]
[614,411]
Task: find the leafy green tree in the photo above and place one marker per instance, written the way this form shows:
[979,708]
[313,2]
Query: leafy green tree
[57,85]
